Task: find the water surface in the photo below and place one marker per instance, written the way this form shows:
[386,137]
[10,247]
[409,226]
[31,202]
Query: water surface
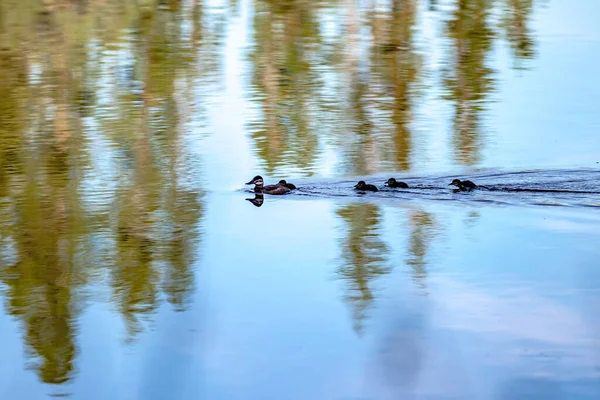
[132,267]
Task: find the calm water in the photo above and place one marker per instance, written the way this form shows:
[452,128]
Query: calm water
[132,266]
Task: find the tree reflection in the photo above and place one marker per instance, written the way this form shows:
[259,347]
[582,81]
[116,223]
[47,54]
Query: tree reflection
[516,23]
[43,215]
[12,115]
[318,81]
[364,257]
[95,102]
[400,65]
[149,246]
[423,230]
[285,81]
[67,212]
[469,80]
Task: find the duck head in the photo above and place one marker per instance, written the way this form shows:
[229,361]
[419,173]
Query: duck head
[455,182]
[257,180]
[391,182]
[360,185]
[290,186]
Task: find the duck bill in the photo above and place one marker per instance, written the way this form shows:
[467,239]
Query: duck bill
[249,183]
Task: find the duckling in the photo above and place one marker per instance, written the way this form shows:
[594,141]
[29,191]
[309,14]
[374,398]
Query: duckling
[259,187]
[365,187]
[463,186]
[290,186]
[393,183]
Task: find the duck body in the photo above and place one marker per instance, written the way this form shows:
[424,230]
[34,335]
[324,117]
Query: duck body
[365,187]
[259,187]
[393,183]
[272,189]
[463,186]
[290,186]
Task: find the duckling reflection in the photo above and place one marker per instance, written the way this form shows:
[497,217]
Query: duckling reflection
[258,200]
[463,186]
[259,187]
[393,183]
[361,185]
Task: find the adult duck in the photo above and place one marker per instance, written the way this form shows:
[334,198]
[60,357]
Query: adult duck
[259,187]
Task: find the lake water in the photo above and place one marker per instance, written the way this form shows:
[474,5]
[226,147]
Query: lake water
[132,265]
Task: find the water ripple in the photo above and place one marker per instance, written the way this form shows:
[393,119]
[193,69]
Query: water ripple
[563,188]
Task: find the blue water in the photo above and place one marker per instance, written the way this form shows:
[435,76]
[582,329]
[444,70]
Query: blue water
[133,267]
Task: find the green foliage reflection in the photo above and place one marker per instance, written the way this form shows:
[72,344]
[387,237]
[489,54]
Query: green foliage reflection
[93,164]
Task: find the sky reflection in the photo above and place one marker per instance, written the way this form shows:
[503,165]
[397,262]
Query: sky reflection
[131,266]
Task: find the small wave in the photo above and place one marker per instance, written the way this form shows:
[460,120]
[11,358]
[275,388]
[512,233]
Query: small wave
[557,188]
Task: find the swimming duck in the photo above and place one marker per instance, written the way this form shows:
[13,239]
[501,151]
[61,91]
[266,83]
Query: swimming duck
[366,187]
[259,187]
[290,186]
[393,183]
[463,186]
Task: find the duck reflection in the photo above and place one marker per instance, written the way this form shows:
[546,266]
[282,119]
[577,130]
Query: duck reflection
[257,200]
